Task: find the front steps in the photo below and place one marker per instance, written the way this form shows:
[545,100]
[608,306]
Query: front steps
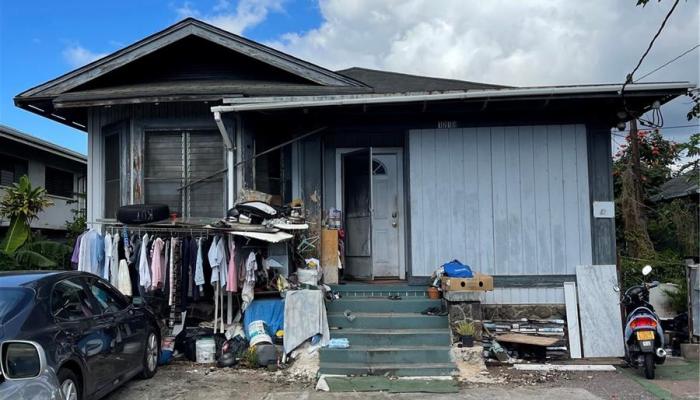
[387,337]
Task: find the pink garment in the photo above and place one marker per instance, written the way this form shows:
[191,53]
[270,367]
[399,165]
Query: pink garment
[157,262]
[232,275]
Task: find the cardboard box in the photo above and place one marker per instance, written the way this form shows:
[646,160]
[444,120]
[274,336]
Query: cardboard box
[480,282]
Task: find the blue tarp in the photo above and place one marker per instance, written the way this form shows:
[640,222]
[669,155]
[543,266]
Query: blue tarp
[269,310]
[456,269]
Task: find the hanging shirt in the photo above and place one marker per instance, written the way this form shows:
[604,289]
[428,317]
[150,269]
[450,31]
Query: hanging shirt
[199,267]
[114,264]
[123,280]
[217,261]
[144,269]
[108,256]
[232,278]
[157,261]
[75,257]
[92,253]
[247,294]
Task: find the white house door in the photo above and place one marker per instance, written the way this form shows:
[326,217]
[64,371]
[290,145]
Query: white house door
[386,214]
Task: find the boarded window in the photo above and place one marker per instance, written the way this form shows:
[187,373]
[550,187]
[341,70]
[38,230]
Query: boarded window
[185,170]
[58,182]
[11,169]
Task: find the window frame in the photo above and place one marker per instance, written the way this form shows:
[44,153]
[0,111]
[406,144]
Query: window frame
[185,179]
[109,290]
[22,159]
[78,280]
[62,170]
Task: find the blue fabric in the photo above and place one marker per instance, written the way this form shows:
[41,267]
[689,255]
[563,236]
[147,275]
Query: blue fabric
[269,310]
[456,269]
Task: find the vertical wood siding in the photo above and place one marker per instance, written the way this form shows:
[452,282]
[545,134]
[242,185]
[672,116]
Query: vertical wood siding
[505,200]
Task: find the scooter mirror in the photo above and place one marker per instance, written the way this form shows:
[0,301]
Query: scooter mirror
[616,288]
[646,270]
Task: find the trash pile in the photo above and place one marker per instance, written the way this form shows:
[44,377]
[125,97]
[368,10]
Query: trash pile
[539,339]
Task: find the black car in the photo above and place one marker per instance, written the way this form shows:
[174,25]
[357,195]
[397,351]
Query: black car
[93,337]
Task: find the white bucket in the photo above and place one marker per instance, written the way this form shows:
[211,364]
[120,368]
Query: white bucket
[206,349]
[308,276]
[257,334]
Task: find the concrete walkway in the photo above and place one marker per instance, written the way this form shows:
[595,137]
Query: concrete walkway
[470,394]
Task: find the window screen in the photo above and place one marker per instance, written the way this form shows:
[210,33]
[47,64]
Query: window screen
[11,169]
[112,175]
[58,182]
[190,159]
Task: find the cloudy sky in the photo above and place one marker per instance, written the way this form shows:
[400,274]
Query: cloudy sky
[513,42]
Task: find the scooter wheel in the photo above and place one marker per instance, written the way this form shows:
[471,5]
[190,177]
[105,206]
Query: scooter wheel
[649,366]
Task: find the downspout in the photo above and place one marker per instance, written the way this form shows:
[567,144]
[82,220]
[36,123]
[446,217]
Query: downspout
[230,194]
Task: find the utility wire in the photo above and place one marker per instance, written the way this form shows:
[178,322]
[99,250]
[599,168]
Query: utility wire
[667,63]
[628,80]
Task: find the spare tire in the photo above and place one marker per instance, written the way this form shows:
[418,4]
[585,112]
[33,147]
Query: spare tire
[136,214]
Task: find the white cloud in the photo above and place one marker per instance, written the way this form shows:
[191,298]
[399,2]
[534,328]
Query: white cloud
[524,42]
[77,55]
[246,14]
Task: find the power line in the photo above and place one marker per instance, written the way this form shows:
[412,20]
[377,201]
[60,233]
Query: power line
[665,127]
[663,24]
[668,62]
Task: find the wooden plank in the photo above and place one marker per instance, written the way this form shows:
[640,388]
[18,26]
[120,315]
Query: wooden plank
[520,338]
[600,183]
[572,251]
[514,202]
[499,201]
[556,198]
[329,255]
[485,188]
[572,323]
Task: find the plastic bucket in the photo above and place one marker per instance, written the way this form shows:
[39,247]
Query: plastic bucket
[257,333]
[206,350]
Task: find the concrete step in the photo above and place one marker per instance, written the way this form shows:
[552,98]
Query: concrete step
[379,290]
[388,321]
[387,355]
[394,337]
[382,304]
[430,369]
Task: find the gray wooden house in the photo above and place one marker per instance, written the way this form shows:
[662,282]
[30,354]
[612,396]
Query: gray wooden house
[514,181]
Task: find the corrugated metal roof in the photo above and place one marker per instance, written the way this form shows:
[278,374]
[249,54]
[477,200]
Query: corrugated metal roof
[680,186]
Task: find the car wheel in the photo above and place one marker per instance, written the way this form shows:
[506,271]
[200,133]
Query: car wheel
[70,385]
[150,356]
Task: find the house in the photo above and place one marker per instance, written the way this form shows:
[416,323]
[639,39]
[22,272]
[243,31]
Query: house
[62,172]
[684,186]
[514,181]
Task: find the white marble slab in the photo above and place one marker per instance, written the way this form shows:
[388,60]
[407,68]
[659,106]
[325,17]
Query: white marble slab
[572,319]
[599,309]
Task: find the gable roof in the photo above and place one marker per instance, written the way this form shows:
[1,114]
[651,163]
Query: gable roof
[176,32]
[396,82]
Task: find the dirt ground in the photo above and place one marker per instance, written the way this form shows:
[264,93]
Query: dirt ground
[184,380]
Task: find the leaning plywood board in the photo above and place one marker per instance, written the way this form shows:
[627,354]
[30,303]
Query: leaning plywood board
[527,339]
[572,319]
[329,255]
[599,308]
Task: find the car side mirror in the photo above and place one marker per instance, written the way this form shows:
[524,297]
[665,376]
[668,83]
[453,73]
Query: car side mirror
[21,359]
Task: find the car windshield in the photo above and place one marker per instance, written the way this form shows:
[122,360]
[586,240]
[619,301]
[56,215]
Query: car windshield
[12,300]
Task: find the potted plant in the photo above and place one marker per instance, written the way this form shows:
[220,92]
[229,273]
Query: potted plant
[466,332]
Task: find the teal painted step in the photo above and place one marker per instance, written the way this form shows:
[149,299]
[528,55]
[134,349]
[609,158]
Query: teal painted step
[378,290]
[394,337]
[388,321]
[387,355]
[381,305]
[431,369]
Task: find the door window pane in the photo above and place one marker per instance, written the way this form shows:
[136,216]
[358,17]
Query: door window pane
[59,182]
[108,301]
[70,301]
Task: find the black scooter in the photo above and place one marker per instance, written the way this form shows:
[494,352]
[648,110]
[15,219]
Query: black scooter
[644,338]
